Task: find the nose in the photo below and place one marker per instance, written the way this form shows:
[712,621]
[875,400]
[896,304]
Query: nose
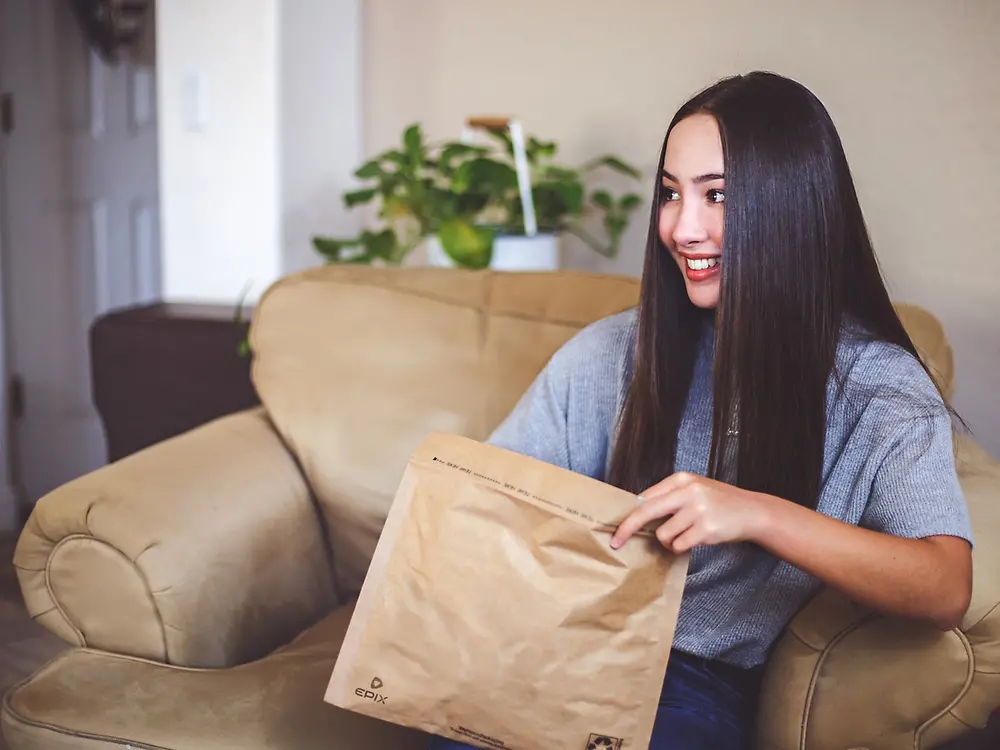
[690,229]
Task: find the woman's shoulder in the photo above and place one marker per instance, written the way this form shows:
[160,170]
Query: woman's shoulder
[884,387]
[869,362]
[607,340]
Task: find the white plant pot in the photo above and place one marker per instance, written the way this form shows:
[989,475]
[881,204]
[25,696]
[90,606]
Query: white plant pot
[510,253]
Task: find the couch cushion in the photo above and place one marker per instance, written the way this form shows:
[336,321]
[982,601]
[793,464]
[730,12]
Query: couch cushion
[356,365]
[90,699]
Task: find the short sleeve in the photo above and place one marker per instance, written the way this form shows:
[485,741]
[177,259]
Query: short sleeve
[916,492]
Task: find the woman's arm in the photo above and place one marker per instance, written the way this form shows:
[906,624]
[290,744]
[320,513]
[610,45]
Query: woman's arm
[928,579]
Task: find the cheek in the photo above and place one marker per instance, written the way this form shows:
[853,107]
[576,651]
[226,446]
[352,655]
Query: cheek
[667,222]
[714,227]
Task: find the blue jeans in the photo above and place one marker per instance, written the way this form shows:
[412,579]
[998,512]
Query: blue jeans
[704,705]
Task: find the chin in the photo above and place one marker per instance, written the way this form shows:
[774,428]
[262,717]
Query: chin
[704,296]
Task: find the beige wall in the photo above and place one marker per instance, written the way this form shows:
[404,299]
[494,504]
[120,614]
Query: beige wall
[914,86]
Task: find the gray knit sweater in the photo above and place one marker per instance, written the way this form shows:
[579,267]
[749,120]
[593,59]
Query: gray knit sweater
[888,466]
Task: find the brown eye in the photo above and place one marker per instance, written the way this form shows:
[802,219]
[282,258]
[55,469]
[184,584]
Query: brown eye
[716,196]
[668,194]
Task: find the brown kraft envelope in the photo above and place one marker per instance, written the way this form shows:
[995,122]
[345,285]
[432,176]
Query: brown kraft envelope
[495,612]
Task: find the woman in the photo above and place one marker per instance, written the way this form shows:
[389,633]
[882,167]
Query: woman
[765,402]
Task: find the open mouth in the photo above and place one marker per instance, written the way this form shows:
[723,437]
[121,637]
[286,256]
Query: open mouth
[702,264]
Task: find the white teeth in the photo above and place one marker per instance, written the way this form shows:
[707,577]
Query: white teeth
[702,264]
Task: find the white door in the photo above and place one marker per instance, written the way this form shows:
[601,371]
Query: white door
[81,236]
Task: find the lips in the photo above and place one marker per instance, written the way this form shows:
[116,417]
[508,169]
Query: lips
[701,267]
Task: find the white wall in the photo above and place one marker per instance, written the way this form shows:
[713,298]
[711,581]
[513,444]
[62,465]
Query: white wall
[218,182]
[243,193]
[321,123]
[913,85]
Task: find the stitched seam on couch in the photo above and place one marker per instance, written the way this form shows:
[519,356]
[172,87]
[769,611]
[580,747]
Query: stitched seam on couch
[52,594]
[811,691]
[14,715]
[8,708]
[138,572]
[984,617]
[971,654]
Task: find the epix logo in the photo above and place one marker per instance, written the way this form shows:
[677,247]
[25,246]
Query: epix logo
[371,695]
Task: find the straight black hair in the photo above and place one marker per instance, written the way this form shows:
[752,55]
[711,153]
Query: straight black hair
[797,261]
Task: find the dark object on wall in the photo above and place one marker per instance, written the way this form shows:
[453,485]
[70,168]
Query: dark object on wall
[160,370]
[111,26]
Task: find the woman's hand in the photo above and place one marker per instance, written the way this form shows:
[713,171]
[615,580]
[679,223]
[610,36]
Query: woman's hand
[928,579]
[698,511]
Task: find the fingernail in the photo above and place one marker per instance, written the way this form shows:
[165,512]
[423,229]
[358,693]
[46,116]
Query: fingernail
[615,544]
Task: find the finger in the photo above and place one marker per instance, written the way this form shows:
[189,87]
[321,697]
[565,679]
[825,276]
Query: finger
[687,540]
[670,484]
[643,514]
[674,526]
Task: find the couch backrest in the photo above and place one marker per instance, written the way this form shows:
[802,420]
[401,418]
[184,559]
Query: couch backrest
[355,365]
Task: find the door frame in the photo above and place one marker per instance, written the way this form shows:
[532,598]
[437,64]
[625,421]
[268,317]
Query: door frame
[78,106]
[10,508]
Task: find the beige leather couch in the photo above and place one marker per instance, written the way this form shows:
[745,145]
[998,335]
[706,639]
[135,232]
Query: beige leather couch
[207,581]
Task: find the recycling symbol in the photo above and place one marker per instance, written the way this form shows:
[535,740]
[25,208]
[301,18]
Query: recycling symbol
[601,743]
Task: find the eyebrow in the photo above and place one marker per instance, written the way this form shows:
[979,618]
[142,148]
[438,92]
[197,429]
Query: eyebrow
[702,178]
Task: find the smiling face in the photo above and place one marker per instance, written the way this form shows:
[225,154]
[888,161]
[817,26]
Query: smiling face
[691,208]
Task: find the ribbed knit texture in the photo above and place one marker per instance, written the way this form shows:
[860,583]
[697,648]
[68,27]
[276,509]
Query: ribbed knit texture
[888,466]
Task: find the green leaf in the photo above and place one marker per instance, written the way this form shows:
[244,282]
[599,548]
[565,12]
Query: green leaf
[504,137]
[537,149]
[331,247]
[629,202]
[358,197]
[361,259]
[394,156]
[379,244]
[413,142]
[456,150]
[469,204]
[603,199]
[441,203]
[463,177]
[469,246]
[571,194]
[615,224]
[484,175]
[550,173]
[613,162]
[491,176]
[369,170]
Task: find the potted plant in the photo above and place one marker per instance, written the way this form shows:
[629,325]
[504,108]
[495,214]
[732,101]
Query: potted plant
[561,204]
[464,201]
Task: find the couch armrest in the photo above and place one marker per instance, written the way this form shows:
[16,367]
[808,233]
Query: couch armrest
[844,677]
[205,550]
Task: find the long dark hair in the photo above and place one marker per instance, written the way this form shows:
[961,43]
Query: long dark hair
[797,262]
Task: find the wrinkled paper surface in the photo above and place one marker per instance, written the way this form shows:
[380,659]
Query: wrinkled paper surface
[495,612]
